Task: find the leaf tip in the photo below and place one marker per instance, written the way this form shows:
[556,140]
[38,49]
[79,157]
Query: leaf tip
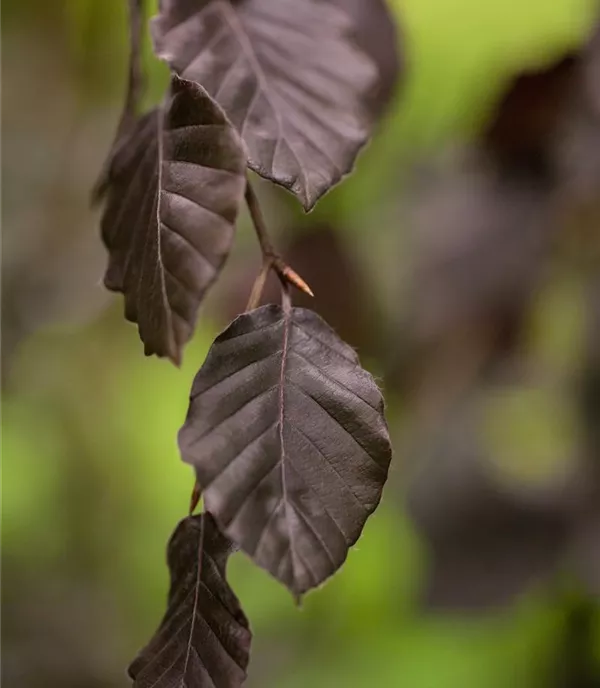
[307,201]
[175,357]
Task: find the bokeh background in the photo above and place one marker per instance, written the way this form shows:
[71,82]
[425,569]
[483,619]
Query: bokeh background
[462,260]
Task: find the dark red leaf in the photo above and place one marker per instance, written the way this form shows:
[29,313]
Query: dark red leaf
[173,192]
[289,442]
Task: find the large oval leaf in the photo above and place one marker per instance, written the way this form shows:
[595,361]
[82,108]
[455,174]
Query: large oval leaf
[173,192]
[289,75]
[287,435]
[204,637]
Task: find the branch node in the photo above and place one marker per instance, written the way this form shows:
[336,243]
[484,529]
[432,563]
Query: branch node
[271,259]
[286,273]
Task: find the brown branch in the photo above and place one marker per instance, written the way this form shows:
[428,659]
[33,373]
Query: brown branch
[258,286]
[258,221]
[271,259]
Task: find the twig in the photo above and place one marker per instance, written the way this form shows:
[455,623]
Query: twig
[271,259]
[289,276]
[259,285]
[258,221]
[195,498]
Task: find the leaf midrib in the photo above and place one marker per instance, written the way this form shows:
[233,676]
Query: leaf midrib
[237,28]
[287,318]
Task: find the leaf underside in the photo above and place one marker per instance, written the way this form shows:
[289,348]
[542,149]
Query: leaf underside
[290,76]
[203,640]
[288,439]
[173,191]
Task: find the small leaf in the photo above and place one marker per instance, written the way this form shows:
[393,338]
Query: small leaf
[288,438]
[173,193]
[290,76]
[204,637]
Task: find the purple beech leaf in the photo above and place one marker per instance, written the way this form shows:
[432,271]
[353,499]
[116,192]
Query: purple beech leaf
[290,75]
[204,637]
[173,192]
[287,435]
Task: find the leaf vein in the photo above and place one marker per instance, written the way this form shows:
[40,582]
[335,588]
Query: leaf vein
[363,507]
[213,428]
[316,533]
[338,424]
[335,381]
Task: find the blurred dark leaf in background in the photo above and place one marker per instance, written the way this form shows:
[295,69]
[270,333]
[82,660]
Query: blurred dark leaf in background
[493,532]
[499,222]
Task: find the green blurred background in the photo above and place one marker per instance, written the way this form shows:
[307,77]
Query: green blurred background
[92,481]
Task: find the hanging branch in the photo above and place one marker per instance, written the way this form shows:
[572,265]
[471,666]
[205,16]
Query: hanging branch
[285,430]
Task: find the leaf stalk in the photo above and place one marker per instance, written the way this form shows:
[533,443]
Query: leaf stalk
[271,258]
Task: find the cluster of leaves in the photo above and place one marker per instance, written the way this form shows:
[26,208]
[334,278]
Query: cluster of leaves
[285,430]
